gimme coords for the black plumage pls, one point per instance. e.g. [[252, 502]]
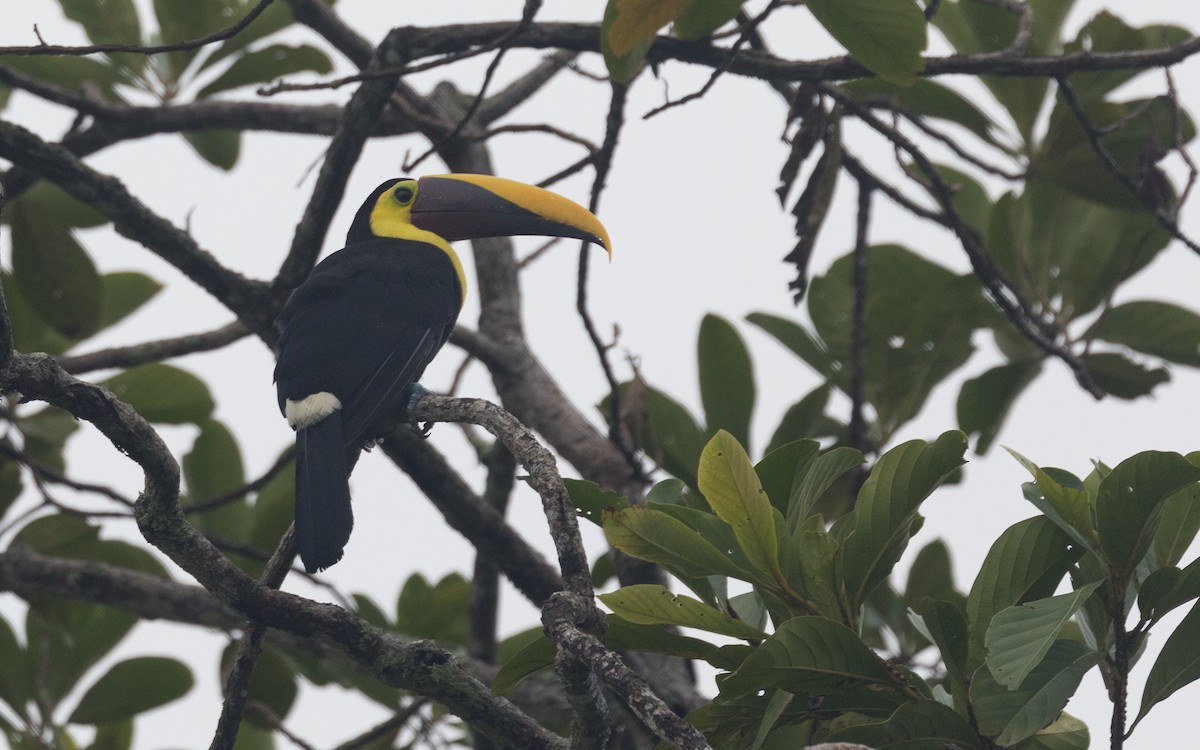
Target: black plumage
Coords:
[[362, 327]]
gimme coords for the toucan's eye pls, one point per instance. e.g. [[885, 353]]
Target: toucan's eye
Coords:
[[403, 195]]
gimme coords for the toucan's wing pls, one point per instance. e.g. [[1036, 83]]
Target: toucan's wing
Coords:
[[365, 325]]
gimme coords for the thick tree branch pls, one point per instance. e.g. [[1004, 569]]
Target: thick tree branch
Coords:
[[133, 219]]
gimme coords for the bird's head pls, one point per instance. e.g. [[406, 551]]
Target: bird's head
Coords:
[[472, 206]]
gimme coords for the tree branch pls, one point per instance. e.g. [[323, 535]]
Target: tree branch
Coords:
[[153, 351]]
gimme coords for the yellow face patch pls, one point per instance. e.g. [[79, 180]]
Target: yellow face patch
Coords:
[[392, 217]]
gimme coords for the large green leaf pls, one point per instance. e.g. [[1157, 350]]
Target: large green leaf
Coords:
[[1177, 665], [162, 393], [181, 20], [1020, 636], [1159, 329], [272, 684], [810, 655], [729, 483], [17, 683], [944, 623], [783, 468], [123, 293], [652, 535], [669, 433], [1064, 733], [1067, 158], [57, 278], [929, 99], [214, 465], [1025, 563], [625, 38], [652, 604], [919, 320], [1063, 499], [828, 468], [1168, 588], [886, 36], [267, 64], [796, 338], [220, 148], [985, 401], [1009, 715], [105, 21], [1066, 252], [978, 27], [1106, 33], [1179, 523], [887, 504], [131, 687], [726, 378], [920, 724], [702, 17], [30, 333], [1118, 375], [1130, 501], [803, 420], [440, 612]]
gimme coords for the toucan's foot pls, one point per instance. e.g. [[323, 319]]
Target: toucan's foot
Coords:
[[416, 393]]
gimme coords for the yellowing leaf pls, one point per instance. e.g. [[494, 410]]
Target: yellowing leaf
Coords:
[[639, 20]]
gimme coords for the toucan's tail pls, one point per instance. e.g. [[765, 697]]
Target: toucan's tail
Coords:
[[323, 515]]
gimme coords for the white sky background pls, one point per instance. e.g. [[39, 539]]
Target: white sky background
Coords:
[[690, 206]]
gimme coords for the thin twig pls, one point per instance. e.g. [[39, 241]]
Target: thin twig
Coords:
[[91, 49], [858, 326], [48, 474]]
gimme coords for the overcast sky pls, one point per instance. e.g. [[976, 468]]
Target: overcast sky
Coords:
[[696, 228]]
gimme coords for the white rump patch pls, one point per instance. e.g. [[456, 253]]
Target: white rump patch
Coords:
[[311, 409]]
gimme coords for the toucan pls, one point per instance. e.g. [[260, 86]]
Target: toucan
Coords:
[[357, 334]]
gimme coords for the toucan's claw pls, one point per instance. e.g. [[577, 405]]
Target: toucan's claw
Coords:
[[416, 393]]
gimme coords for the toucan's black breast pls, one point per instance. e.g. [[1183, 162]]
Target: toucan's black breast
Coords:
[[364, 325]]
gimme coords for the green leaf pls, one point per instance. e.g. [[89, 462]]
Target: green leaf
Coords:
[[638, 21], [652, 535], [1130, 501], [652, 604], [1179, 524], [1010, 716], [887, 504], [440, 612], [17, 683], [976, 27], [1069, 251], [131, 687], [105, 21], [1064, 733], [623, 55], [928, 98], [274, 509], [729, 483], [1020, 636], [45, 199], [163, 393], [726, 378], [918, 328], [930, 576], [1119, 376], [124, 292], [266, 65], [1159, 329], [214, 465], [886, 36], [783, 468], [46, 432], [803, 419], [1177, 665], [796, 338], [273, 682], [276, 17], [371, 612], [219, 148], [985, 401], [113, 735], [590, 501], [10, 484], [1107, 33], [672, 436], [69, 72], [1024, 564], [920, 724], [1065, 503], [1132, 130], [56, 277], [827, 470], [30, 333], [700, 18], [944, 624], [1168, 588], [812, 656], [181, 20]]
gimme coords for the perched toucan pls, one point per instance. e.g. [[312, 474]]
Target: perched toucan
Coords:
[[360, 330]]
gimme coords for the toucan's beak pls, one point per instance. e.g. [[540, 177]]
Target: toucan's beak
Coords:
[[472, 206]]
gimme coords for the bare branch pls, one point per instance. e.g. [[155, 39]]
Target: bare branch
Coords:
[[154, 351]]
